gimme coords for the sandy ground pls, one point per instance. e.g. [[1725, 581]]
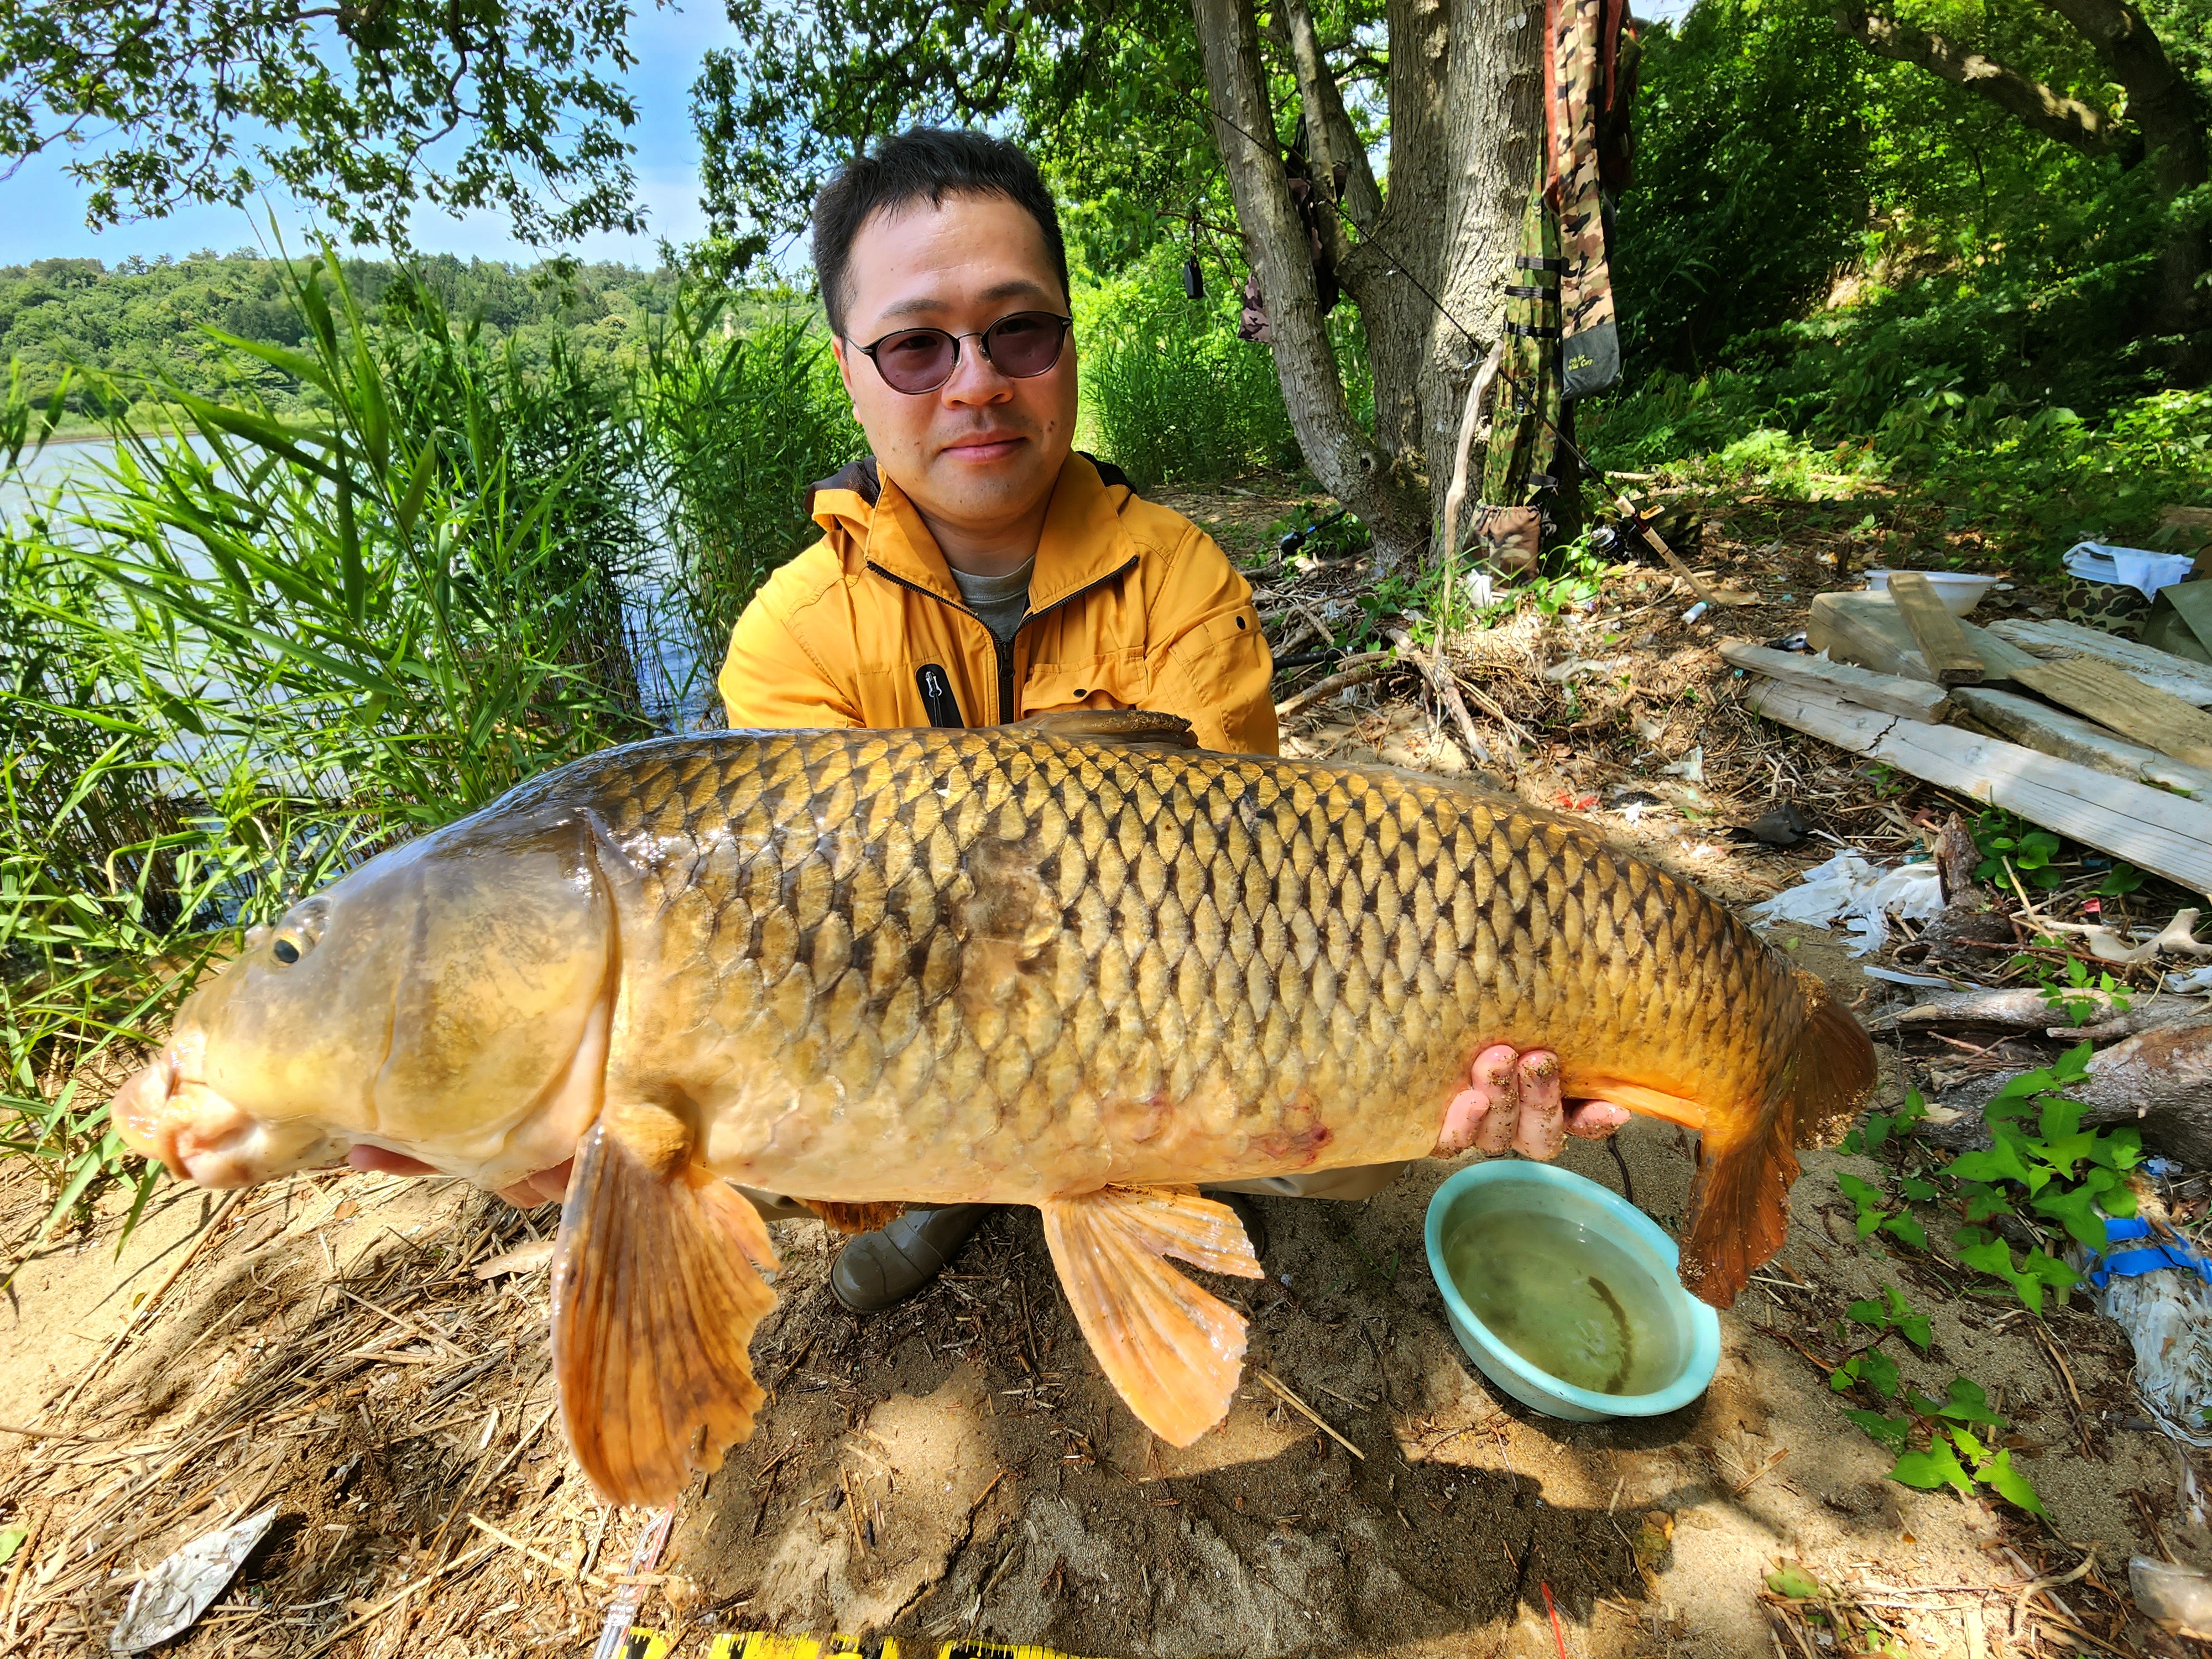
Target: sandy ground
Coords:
[[368, 1354]]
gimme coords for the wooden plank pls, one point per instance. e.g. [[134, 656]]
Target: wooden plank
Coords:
[[2113, 696], [1867, 628], [1914, 699], [1935, 631], [2191, 682], [2157, 831], [2055, 731]]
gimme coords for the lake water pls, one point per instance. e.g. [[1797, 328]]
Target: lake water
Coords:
[[677, 686]]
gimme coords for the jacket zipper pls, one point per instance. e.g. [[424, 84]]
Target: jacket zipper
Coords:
[[1004, 649]]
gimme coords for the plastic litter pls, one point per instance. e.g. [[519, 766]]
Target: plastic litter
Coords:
[[2160, 1292], [2128, 567], [1862, 894], [2198, 979], [2176, 1599], [176, 1593]]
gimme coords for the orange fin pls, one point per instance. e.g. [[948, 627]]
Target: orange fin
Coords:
[[854, 1218], [1740, 1209], [1146, 726], [1173, 1350], [654, 1303]]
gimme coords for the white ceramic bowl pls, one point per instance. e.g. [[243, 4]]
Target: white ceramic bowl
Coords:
[[1959, 592]]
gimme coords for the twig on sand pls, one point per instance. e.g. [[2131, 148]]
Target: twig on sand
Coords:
[[1361, 669], [1446, 685], [576, 1575], [1300, 1405], [399, 1595], [153, 1300]]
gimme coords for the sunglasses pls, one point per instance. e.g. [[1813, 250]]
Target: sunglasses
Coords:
[[918, 360]]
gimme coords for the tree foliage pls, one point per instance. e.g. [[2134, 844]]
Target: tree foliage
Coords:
[[364, 108]]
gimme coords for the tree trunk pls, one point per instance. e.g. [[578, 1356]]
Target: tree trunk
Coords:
[[2163, 105], [1494, 125], [1349, 464]]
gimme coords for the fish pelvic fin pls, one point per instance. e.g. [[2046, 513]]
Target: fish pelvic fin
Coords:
[[655, 1297], [1739, 1211], [854, 1218], [1173, 1350]]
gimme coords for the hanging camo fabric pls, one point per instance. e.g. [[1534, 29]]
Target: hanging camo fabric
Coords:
[[1585, 88]]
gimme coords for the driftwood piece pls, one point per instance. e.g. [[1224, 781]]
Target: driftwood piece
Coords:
[[1916, 700], [2161, 833], [2190, 681], [2113, 696], [2159, 1081], [2055, 731], [1867, 628], [1942, 643], [1353, 671], [2030, 1011]]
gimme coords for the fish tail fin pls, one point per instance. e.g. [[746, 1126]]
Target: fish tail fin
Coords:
[[1175, 1351], [655, 1297], [1740, 1212]]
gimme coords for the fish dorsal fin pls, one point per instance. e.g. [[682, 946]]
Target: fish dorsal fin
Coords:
[[1132, 726], [1173, 1350], [654, 1303]]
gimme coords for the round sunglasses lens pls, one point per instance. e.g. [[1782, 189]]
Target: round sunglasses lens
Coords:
[[919, 360], [1028, 342]]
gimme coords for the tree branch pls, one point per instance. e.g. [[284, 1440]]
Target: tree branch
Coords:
[[2056, 116], [2161, 102]]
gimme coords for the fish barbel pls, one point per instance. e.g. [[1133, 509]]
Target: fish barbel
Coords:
[[1070, 963]]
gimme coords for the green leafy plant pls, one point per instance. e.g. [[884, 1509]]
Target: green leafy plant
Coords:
[[1873, 1216], [1950, 1453], [2078, 979]]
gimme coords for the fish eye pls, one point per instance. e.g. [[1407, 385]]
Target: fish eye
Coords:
[[297, 934]]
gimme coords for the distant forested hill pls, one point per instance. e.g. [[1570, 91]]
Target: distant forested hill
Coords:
[[142, 319]]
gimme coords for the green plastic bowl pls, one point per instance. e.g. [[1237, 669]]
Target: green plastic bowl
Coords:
[[1522, 1188]]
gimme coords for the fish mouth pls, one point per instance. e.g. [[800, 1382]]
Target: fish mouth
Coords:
[[201, 1137]]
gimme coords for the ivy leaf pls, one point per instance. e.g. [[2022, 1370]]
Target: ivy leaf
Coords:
[[1795, 1583], [1938, 1466], [1917, 1330], [1891, 1431], [1879, 1372], [1967, 1403], [2009, 1484], [1905, 1228], [2001, 1162], [1920, 1191], [1868, 1313], [2075, 1209]]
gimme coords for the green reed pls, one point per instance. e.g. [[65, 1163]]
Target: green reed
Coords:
[[255, 649]]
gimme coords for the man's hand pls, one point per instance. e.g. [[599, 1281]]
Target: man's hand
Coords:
[[546, 1186], [1513, 1100]]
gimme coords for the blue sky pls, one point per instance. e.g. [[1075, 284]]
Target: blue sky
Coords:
[[42, 208]]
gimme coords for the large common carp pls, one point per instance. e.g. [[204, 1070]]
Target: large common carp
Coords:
[[1070, 963]]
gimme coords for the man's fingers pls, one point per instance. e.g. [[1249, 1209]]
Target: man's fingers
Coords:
[[1539, 1128], [546, 1186], [1496, 1079], [1595, 1120], [375, 1158], [1474, 1110]]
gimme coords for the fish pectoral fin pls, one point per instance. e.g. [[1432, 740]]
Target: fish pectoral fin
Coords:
[[1173, 1350], [854, 1218], [655, 1296]]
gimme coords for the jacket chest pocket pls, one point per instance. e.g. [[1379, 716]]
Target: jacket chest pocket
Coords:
[[1118, 681]]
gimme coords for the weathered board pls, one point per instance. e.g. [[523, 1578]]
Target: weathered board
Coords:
[[1914, 699], [1942, 642], [2157, 831], [2055, 731]]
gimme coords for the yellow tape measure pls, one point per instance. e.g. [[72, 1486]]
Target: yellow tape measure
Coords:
[[645, 1644]]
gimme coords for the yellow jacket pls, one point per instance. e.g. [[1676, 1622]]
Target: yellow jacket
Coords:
[[1131, 606]]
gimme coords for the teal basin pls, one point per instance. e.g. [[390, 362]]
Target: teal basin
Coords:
[[1571, 1271]]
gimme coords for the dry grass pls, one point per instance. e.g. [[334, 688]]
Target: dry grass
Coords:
[[372, 1353]]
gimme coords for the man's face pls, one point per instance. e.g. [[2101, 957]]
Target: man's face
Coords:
[[983, 452]]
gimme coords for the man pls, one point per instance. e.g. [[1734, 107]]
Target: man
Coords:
[[976, 569]]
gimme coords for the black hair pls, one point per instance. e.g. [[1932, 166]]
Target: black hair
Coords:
[[931, 162]]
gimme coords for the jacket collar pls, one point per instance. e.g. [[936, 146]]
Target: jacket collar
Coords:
[[869, 520]]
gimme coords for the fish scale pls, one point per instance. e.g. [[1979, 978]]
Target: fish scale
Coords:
[[1282, 933]]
